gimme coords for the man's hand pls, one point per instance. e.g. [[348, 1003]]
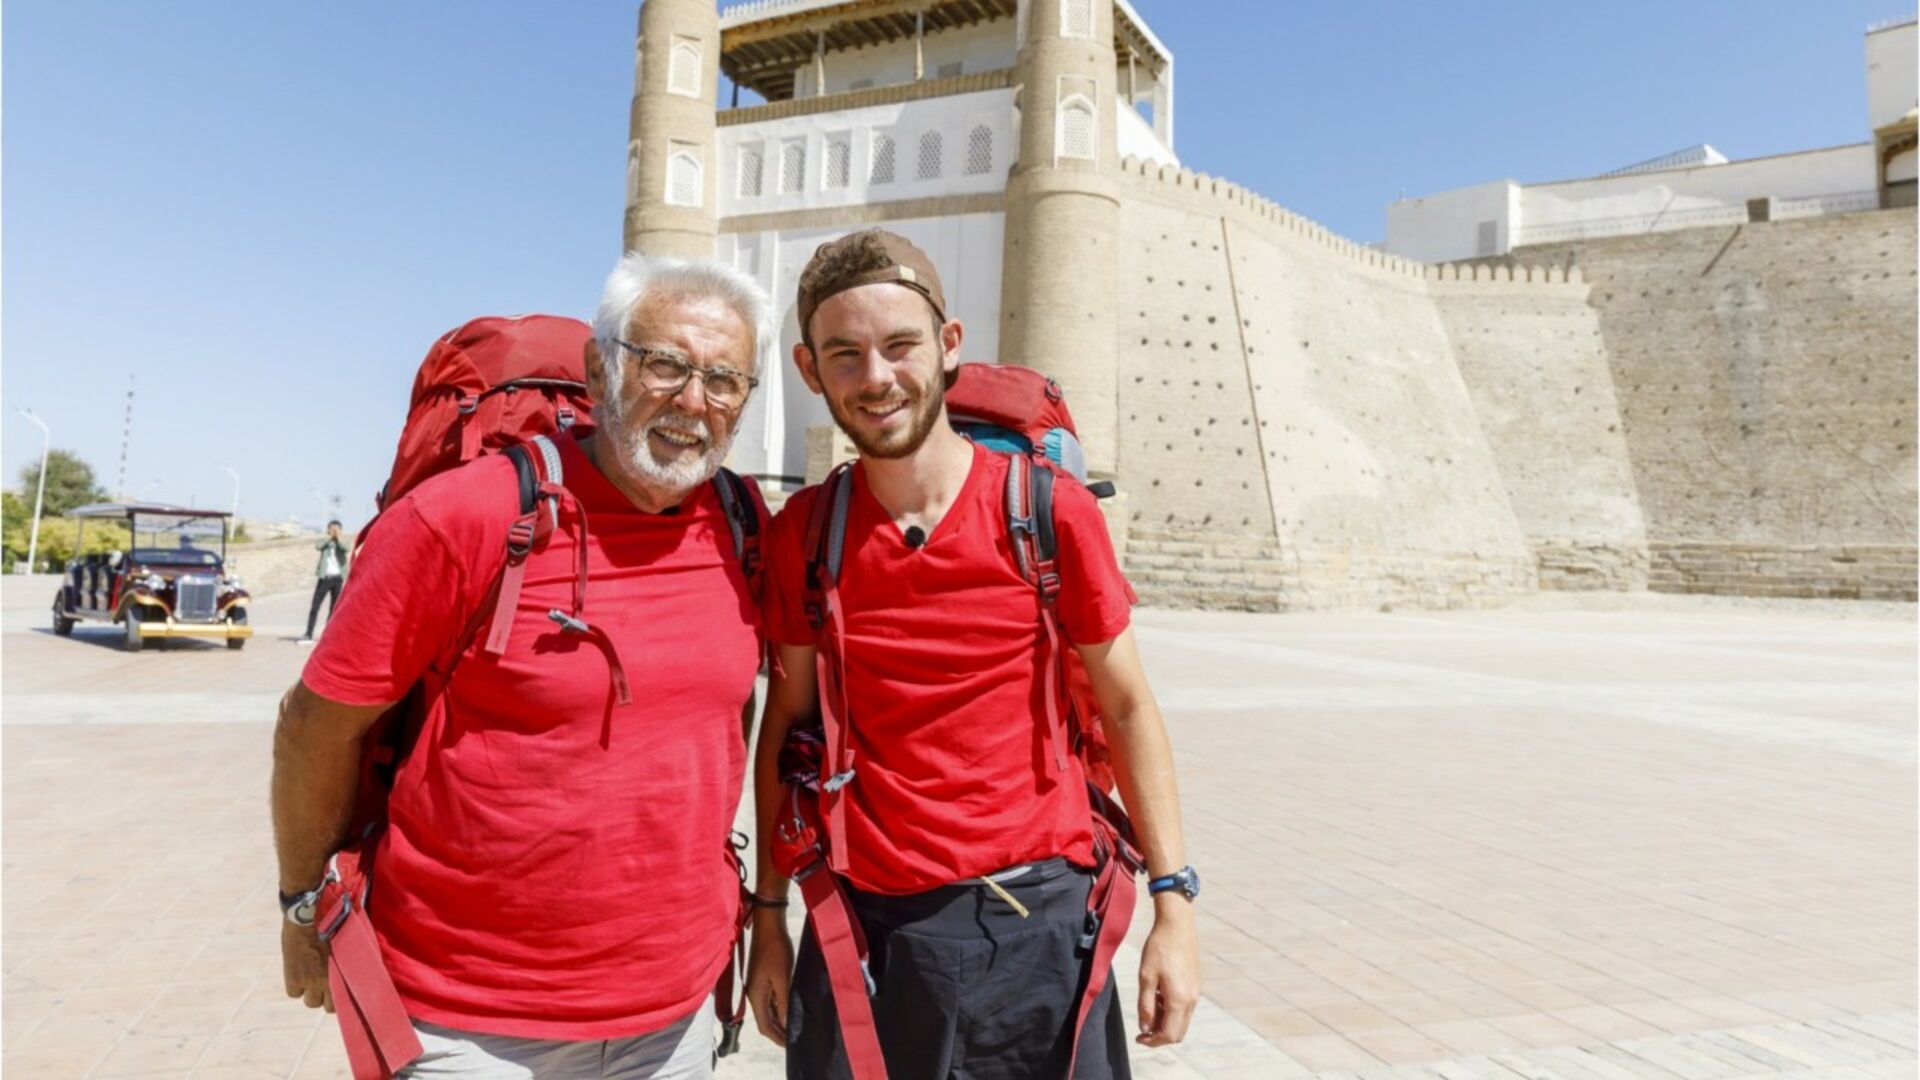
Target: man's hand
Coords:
[[769, 972], [303, 959], [1169, 973]]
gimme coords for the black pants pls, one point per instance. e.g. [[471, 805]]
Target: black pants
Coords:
[[328, 587], [967, 989]]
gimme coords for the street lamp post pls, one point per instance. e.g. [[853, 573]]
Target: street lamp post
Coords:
[[40, 492], [236, 491]]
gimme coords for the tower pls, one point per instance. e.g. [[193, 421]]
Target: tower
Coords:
[[1057, 311], [671, 158]]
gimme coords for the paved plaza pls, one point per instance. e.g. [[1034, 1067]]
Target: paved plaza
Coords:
[[1590, 839]]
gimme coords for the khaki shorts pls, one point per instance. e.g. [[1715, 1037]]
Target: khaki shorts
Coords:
[[681, 1051]]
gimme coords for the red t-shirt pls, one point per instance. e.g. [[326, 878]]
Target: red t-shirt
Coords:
[[553, 866], [945, 680]]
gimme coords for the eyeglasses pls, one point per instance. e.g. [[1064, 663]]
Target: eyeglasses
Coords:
[[666, 372]]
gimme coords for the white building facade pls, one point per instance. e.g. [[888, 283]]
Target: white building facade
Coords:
[[1687, 189], [876, 113]]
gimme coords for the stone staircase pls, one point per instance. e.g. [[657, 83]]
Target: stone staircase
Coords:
[[1204, 570]]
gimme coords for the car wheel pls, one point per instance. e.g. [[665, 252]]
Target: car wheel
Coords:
[[236, 643], [134, 640], [62, 625]]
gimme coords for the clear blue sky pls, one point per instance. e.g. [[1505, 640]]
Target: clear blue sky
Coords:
[[266, 212]]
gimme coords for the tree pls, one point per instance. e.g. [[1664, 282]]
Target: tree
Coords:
[[70, 483], [16, 518]]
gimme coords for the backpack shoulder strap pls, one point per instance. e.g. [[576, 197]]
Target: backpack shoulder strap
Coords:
[[826, 545], [539, 517], [742, 511], [826, 541], [1029, 514]]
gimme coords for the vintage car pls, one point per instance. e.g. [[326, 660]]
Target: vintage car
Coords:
[[170, 582]]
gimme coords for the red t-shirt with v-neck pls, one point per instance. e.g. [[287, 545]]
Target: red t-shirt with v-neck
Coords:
[[945, 679], [553, 866]]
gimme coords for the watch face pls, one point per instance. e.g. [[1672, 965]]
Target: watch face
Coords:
[[301, 911]]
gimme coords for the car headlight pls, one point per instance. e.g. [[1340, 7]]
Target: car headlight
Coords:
[[154, 582], [233, 582]]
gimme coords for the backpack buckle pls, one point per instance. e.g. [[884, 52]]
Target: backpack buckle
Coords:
[[1091, 934], [468, 404], [729, 1039], [520, 537], [1048, 581]]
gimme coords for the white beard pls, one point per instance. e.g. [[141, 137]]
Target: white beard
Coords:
[[680, 475]]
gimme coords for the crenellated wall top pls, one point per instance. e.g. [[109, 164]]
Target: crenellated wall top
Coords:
[[1168, 181]]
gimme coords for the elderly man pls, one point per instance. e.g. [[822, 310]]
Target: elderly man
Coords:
[[550, 896]]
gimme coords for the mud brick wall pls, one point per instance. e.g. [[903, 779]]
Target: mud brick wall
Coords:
[[1766, 380]]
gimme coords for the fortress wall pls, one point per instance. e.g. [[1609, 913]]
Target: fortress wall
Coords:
[[1536, 368], [1190, 454], [1766, 377], [1380, 488]]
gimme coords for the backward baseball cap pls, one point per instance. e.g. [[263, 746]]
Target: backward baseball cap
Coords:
[[895, 260]]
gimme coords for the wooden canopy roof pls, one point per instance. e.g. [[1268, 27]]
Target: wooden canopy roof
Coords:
[[763, 54]]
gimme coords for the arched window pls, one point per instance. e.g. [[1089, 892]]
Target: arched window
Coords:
[[979, 150], [683, 69], [839, 163], [928, 164], [752, 168], [1076, 135], [1076, 18], [684, 183], [880, 160], [793, 167], [633, 177]]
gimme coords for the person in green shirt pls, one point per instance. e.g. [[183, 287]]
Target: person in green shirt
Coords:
[[330, 573]]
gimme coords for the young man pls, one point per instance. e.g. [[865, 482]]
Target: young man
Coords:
[[328, 574], [550, 895], [968, 855]]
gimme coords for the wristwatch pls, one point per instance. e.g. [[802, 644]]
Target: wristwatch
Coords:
[[1186, 880], [300, 908]]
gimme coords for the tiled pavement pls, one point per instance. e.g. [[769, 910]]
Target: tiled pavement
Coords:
[[1673, 840]]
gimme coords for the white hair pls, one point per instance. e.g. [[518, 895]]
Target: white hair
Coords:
[[638, 276]]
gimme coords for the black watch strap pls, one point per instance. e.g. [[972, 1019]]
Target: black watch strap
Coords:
[[1185, 880]]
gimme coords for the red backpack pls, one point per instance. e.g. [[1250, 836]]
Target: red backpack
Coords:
[[505, 385], [1024, 413], [487, 385]]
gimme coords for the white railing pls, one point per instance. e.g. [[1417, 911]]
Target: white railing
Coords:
[[1844, 202], [1631, 224]]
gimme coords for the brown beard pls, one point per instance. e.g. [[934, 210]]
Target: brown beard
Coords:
[[926, 413]]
